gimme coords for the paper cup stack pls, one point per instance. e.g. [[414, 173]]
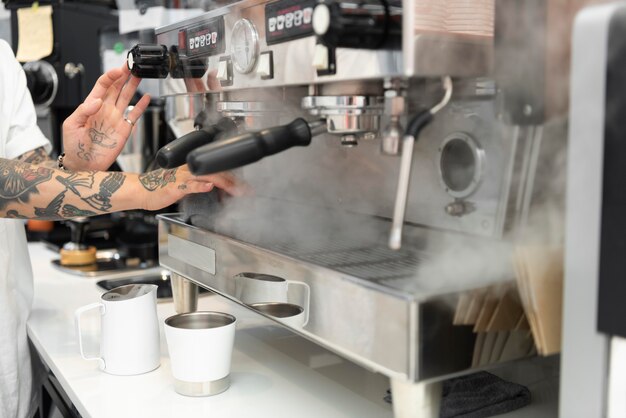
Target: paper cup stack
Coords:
[[470, 17], [430, 15]]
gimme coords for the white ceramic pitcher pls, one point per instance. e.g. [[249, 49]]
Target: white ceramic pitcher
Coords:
[[129, 341]]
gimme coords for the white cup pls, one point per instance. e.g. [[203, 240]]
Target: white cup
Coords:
[[129, 341], [256, 288], [200, 346]]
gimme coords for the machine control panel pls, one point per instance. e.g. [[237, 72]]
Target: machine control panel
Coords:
[[205, 39], [286, 20]]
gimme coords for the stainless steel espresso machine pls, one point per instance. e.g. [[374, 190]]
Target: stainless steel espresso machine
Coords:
[[385, 182]]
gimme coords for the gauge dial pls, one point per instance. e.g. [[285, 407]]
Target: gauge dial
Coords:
[[244, 46]]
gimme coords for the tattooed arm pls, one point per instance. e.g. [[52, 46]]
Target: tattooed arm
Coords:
[[35, 192]]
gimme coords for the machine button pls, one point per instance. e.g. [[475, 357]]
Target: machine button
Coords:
[[280, 22], [288, 20], [297, 18], [225, 72], [320, 58], [272, 24], [265, 68], [307, 14]]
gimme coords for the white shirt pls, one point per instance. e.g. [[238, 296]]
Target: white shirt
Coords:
[[18, 134]]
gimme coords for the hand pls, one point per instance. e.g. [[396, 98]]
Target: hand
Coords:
[[94, 135], [162, 188]]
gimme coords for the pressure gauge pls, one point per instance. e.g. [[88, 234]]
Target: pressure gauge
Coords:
[[244, 47]]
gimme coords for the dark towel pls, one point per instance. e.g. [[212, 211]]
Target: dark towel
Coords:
[[481, 395]]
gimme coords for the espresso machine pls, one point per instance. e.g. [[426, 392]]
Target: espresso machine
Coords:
[[390, 172]]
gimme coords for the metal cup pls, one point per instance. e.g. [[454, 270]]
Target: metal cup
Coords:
[[200, 345]]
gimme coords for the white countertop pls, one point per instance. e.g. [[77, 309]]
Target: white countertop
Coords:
[[274, 372]]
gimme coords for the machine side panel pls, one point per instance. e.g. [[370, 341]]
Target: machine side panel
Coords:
[[584, 352], [612, 285]]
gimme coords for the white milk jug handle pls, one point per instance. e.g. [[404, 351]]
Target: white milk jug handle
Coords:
[[307, 298], [78, 314]]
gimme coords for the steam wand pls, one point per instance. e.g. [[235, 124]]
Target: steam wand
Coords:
[[175, 153], [419, 122], [247, 148]]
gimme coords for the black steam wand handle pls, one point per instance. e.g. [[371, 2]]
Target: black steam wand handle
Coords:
[[248, 148], [175, 153]]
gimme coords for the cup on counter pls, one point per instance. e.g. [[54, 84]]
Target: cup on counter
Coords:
[[200, 345], [254, 288], [129, 340], [289, 314]]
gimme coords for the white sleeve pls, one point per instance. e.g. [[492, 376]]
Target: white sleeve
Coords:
[[24, 134]]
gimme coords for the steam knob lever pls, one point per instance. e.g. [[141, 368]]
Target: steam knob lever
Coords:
[[248, 148], [370, 24], [175, 153], [149, 61]]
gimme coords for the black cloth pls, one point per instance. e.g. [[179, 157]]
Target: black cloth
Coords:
[[481, 395]]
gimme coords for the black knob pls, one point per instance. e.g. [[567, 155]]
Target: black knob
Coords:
[[149, 61], [371, 24], [248, 148], [175, 153]]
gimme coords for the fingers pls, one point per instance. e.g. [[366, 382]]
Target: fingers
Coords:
[[84, 111], [228, 182], [193, 186], [114, 90], [139, 108], [127, 93], [103, 84]]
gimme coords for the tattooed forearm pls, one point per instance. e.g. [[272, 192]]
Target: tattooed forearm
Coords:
[[35, 192], [158, 178]]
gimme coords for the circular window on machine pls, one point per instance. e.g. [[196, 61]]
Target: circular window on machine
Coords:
[[461, 163]]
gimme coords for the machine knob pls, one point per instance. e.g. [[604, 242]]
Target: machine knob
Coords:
[[149, 61], [370, 24]]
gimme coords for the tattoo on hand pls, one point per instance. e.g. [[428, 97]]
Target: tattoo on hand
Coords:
[[18, 181], [100, 137], [86, 155], [182, 187], [157, 178]]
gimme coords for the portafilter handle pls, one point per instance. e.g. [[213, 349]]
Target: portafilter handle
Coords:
[[175, 153], [240, 150]]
